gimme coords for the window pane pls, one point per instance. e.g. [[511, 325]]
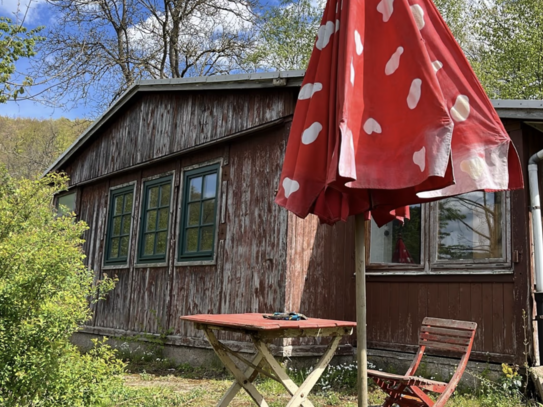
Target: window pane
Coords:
[[149, 244], [195, 188], [209, 211], [126, 224], [161, 243], [470, 226], [114, 248], [123, 252], [151, 221], [163, 218], [396, 242], [119, 223], [192, 240], [118, 205], [153, 197], [68, 201], [210, 186], [128, 202], [206, 242], [117, 226], [194, 214], [165, 195]]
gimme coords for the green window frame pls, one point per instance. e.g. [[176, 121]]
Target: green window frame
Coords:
[[155, 220], [119, 224], [198, 223]]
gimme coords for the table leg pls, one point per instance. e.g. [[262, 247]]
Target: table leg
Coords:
[[301, 394], [242, 380], [285, 380], [250, 373]]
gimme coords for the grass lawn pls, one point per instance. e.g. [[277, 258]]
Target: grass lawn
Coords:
[[185, 386]]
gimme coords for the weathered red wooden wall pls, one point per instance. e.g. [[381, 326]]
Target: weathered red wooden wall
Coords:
[[270, 260], [320, 263], [159, 124], [250, 271]]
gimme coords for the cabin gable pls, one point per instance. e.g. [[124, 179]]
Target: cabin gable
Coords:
[[158, 125]]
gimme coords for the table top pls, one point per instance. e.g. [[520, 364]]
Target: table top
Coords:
[[256, 322]]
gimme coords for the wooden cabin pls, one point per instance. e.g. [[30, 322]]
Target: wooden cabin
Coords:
[[177, 183]]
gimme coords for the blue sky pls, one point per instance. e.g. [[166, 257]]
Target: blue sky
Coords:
[[39, 14]]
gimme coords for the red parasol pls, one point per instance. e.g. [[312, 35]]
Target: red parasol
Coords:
[[389, 114]]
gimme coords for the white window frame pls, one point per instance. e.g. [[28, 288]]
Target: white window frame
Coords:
[[429, 244], [403, 266]]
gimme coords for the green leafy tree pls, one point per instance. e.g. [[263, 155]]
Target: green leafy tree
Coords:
[[287, 35], [458, 16], [44, 292], [29, 146], [509, 37], [15, 42]]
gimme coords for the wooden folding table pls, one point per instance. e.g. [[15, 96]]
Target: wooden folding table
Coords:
[[262, 331]]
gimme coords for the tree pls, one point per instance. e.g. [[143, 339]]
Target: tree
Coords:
[[287, 32], [459, 18], [286, 35], [44, 291], [509, 61], [97, 49], [29, 146], [15, 42]]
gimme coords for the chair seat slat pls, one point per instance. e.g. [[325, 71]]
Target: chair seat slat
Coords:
[[443, 346], [445, 331], [416, 380], [449, 323], [444, 338]]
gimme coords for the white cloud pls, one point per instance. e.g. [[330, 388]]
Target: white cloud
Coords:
[[199, 32], [26, 11]]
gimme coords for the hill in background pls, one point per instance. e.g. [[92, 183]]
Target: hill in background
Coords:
[[29, 146]]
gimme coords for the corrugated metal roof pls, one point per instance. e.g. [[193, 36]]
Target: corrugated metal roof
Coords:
[[507, 109]]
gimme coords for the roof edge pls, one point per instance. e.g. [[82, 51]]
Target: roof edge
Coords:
[[519, 109], [239, 81], [506, 108]]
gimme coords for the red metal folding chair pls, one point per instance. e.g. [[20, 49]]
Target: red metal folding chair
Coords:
[[456, 337]]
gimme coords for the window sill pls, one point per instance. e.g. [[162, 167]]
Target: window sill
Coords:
[[187, 263], [150, 265], [114, 266], [439, 273]]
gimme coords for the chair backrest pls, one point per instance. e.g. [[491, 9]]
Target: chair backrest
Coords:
[[447, 335]]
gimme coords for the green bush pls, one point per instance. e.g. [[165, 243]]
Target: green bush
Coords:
[[44, 297]]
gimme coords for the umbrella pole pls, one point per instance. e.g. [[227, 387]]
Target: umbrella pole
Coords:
[[361, 347]]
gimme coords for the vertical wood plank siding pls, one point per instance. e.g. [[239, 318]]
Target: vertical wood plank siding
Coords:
[[163, 123], [397, 306], [250, 270], [268, 259]]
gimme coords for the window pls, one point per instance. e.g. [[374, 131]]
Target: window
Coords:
[[471, 228], [121, 202], [468, 231], [155, 219], [398, 242], [66, 203], [198, 214]]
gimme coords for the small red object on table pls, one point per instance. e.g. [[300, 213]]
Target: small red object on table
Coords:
[[262, 330]]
